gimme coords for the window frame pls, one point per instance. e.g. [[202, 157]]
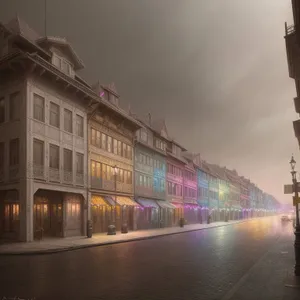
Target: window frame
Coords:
[[66, 112], [38, 111], [42, 154], [56, 147], [51, 113]]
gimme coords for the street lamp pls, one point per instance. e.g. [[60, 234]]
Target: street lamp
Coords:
[[112, 228], [115, 168], [297, 227]]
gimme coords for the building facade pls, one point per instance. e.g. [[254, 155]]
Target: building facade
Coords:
[[111, 137], [150, 175], [192, 211], [213, 190], [175, 170], [43, 136]]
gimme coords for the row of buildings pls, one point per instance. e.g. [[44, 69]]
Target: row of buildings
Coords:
[[69, 153]]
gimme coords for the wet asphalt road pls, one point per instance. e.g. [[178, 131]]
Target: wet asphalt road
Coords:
[[197, 265]]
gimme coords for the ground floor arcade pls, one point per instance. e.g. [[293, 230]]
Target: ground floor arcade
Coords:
[[47, 213]]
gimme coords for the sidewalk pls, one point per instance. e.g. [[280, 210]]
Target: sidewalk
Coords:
[[272, 277], [65, 244]]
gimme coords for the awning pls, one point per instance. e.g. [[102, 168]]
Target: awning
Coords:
[[178, 204], [126, 201], [165, 204], [192, 205], [98, 201], [147, 202]]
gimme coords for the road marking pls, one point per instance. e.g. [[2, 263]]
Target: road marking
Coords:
[[235, 288]]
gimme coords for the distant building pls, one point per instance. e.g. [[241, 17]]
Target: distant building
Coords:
[[175, 170], [150, 174], [192, 212]]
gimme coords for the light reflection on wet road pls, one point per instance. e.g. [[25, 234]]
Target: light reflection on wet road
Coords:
[[196, 265]]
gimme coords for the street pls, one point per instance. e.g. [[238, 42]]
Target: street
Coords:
[[202, 265]]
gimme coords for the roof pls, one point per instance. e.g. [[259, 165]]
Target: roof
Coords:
[[18, 26], [88, 92], [61, 41]]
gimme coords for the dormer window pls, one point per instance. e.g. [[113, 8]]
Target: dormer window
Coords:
[[176, 150], [144, 135], [62, 64]]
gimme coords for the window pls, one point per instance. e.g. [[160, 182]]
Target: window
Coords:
[[38, 152], [93, 168], [65, 66], [68, 120], [2, 110], [68, 160], [57, 61], [79, 163], [54, 115], [115, 146], [129, 152], [1, 156], [54, 157], [144, 135], [93, 136], [14, 106], [79, 125], [119, 148], [98, 138], [38, 108], [103, 141], [104, 171], [109, 144], [124, 150]]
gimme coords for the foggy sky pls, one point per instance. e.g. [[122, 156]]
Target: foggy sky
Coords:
[[215, 69]]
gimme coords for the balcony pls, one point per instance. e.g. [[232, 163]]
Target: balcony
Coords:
[[296, 125], [297, 104], [293, 52]]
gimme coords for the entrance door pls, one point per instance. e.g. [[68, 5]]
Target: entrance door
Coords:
[[41, 217], [56, 220], [11, 218]]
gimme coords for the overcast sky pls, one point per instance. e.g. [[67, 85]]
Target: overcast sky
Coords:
[[215, 69]]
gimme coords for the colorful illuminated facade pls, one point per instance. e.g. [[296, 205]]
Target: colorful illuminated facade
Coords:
[[213, 194], [175, 170], [192, 212], [150, 175]]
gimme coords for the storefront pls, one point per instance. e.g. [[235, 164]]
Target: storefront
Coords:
[[192, 213], [178, 212], [102, 213], [128, 211], [148, 216], [48, 214], [9, 215], [166, 212], [57, 214]]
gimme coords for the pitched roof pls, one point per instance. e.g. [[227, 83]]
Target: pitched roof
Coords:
[[19, 26], [61, 41]]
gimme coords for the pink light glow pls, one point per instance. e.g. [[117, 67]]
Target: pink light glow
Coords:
[[102, 94]]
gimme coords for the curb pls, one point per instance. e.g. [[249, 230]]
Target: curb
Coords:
[[77, 247]]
